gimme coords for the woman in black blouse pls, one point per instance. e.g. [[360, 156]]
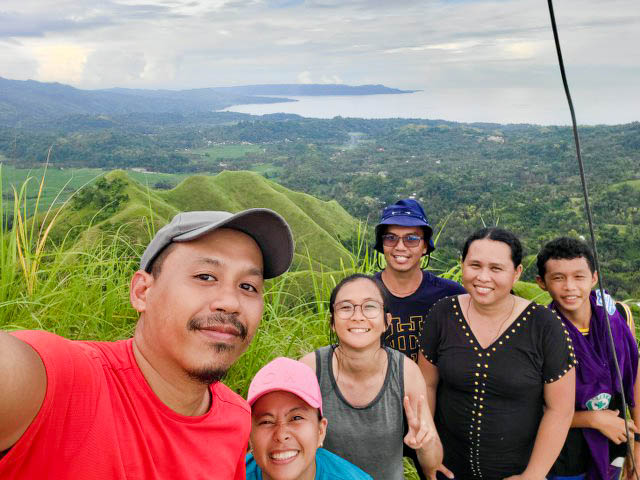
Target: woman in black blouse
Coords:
[[502, 368]]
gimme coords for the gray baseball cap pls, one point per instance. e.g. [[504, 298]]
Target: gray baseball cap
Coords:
[[270, 231]]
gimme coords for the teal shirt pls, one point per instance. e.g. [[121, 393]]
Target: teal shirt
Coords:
[[328, 467]]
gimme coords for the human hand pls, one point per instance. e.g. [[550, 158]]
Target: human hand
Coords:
[[421, 428], [612, 426], [628, 473], [431, 474]]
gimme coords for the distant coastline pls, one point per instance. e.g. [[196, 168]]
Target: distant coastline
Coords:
[[24, 101], [312, 89]]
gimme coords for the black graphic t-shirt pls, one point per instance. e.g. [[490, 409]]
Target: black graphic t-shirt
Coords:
[[408, 313]]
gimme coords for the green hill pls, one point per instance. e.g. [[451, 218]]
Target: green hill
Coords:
[[117, 203]]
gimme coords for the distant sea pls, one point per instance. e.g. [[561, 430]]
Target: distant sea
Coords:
[[498, 105]]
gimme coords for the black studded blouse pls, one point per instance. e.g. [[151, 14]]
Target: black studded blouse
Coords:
[[490, 401]]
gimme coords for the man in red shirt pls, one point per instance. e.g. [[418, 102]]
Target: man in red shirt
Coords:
[[151, 406]]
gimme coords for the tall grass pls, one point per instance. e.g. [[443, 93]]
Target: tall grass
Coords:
[[77, 293], [79, 289]]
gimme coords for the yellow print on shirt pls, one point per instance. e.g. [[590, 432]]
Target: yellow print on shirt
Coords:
[[400, 332]]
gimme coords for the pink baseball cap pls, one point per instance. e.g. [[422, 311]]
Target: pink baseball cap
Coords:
[[290, 376]]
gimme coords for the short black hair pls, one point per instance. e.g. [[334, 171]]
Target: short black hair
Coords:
[[498, 235], [564, 248], [156, 264]]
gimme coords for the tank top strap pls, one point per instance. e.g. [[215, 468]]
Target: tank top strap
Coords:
[[393, 383], [369, 436], [323, 359], [397, 370]]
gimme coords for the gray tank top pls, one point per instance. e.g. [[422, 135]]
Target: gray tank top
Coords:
[[371, 436]]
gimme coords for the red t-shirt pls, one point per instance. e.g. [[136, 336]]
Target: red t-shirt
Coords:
[[101, 420]]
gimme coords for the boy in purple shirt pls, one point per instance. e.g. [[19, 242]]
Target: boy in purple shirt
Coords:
[[596, 444]]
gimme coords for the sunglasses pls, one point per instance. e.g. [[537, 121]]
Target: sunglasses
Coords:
[[410, 241]]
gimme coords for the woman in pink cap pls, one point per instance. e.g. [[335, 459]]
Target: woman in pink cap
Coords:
[[288, 428]]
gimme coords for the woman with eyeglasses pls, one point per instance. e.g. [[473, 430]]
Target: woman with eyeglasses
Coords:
[[366, 387], [499, 369]]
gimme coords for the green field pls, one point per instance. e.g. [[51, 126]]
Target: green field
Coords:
[[632, 183], [60, 183], [266, 169], [217, 152]]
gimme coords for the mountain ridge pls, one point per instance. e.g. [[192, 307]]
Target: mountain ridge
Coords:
[[117, 203], [29, 100]]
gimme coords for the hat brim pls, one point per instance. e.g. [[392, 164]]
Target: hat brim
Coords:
[[266, 227], [298, 393]]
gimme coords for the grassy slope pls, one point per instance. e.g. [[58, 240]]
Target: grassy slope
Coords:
[[316, 224], [143, 213]]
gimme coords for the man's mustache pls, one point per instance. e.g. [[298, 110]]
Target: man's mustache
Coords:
[[201, 322]]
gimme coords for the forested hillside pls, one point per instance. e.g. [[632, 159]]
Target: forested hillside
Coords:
[[523, 177]]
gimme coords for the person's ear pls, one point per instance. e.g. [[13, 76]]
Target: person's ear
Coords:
[[540, 282], [518, 273], [594, 279], [322, 431], [138, 289]]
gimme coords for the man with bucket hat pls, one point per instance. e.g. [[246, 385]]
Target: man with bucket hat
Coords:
[[151, 406], [404, 237]]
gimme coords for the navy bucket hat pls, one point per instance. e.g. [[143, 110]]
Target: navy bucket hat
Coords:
[[405, 213]]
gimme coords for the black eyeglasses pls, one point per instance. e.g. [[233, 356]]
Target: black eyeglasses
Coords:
[[391, 240], [370, 309]]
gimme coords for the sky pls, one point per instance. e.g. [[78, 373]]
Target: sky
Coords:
[[480, 52]]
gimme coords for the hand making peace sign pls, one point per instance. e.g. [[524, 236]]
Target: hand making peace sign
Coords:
[[421, 427]]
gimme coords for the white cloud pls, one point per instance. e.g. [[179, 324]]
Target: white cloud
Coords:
[[304, 77], [521, 50], [331, 79], [424, 44], [114, 67], [60, 62], [291, 41], [453, 47]]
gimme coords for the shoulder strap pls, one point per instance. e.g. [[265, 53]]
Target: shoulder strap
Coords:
[[318, 365], [401, 374], [625, 311], [396, 365]]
